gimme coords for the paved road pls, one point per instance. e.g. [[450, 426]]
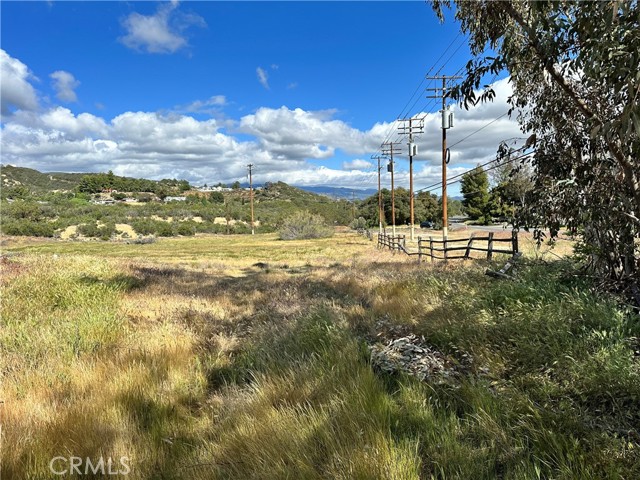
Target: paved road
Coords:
[[457, 227]]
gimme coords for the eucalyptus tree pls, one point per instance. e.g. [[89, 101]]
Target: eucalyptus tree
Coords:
[[573, 67]]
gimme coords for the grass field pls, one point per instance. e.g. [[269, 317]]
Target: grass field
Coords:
[[242, 357]]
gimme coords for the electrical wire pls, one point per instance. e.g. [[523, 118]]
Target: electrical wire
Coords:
[[459, 176], [479, 130]]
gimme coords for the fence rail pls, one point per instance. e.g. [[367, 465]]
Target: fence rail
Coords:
[[365, 232], [426, 247], [440, 249], [391, 242]]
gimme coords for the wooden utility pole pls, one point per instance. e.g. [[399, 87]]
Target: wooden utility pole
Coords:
[[415, 126], [380, 209], [353, 204], [389, 148], [446, 123], [250, 167]]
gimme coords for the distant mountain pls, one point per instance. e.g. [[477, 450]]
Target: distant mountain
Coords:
[[340, 192]]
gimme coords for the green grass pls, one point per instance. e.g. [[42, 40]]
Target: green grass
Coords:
[[198, 365]]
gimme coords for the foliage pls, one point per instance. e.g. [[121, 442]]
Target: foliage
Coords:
[[99, 182], [573, 67], [425, 207], [359, 223], [92, 229], [512, 183], [29, 228], [475, 190], [35, 181], [216, 197], [304, 225], [56, 211]]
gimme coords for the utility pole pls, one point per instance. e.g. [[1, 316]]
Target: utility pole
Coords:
[[250, 167], [353, 203], [389, 148], [447, 122], [415, 126], [380, 209]]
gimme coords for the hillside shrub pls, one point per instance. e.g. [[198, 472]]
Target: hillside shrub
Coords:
[[186, 228], [92, 230], [358, 223], [304, 225], [28, 228]]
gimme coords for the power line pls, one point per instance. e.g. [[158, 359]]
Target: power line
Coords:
[[459, 176], [402, 112], [480, 129]]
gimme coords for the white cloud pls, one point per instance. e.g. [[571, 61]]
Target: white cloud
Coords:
[[162, 32], [15, 90], [263, 77], [313, 134], [65, 84], [210, 106], [476, 133], [284, 144], [292, 85], [357, 164]]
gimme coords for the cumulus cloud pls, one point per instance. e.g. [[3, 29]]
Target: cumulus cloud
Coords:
[[476, 133], [284, 143], [357, 164], [263, 77], [15, 90], [65, 84], [162, 32], [291, 132]]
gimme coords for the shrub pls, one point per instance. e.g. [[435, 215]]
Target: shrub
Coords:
[[140, 240], [26, 227], [303, 225], [91, 229], [358, 223], [186, 228]]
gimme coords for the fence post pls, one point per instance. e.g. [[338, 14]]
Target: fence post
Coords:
[[467, 253], [431, 247], [514, 241], [419, 249], [444, 248], [490, 247]]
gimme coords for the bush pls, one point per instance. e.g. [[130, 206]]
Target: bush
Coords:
[[358, 223], [91, 229], [27, 228], [303, 225], [186, 228]]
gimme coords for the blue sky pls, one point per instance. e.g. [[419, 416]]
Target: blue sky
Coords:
[[304, 90]]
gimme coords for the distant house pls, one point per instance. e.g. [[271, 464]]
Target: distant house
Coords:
[[175, 199]]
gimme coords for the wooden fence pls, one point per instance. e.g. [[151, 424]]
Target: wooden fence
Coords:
[[365, 232], [391, 242], [450, 249], [441, 249]]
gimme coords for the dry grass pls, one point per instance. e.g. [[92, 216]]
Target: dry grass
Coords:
[[242, 357]]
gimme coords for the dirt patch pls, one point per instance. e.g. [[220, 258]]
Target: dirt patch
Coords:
[[70, 232], [126, 228], [156, 217]]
